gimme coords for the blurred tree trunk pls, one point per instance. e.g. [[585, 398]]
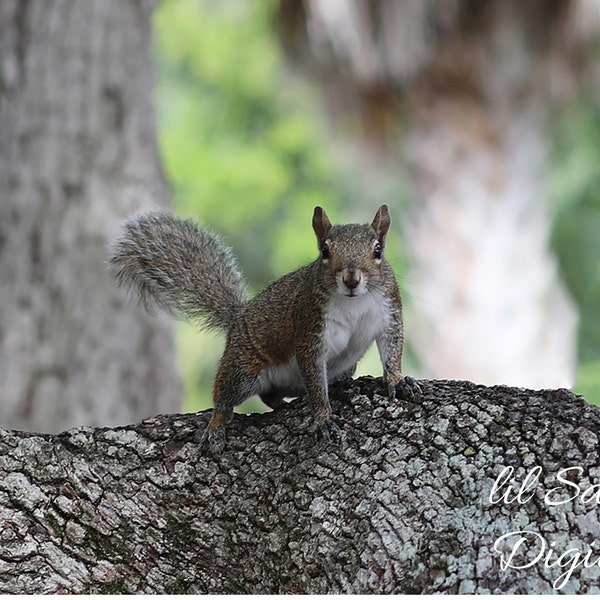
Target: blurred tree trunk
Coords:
[[400, 505], [77, 152], [454, 97]]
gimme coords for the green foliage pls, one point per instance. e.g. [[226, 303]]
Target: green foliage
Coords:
[[239, 148], [575, 193], [588, 382]]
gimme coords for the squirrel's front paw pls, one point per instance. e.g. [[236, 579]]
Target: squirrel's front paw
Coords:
[[213, 440], [409, 389], [332, 425]]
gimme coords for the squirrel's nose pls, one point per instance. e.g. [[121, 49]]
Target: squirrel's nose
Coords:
[[352, 279]]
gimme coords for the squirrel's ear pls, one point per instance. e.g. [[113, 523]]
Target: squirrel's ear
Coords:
[[381, 223], [321, 223]]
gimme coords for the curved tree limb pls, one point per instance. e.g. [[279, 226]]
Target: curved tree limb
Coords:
[[401, 504]]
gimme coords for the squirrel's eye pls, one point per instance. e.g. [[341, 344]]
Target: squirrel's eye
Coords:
[[377, 250], [325, 251]]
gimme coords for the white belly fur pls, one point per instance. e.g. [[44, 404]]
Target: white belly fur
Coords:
[[351, 326]]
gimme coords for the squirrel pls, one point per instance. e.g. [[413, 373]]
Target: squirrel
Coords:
[[304, 331]]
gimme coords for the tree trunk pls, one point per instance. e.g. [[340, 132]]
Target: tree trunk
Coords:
[[411, 500], [453, 98], [495, 308], [77, 152]]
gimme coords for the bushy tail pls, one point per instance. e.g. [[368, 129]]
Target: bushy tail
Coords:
[[180, 267]]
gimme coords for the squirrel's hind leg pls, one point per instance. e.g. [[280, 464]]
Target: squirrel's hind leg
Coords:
[[233, 385]]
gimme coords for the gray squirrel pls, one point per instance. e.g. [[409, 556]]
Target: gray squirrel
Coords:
[[304, 331]]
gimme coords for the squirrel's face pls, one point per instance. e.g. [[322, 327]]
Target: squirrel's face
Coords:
[[352, 254]]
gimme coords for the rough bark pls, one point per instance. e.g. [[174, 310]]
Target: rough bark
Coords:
[[401, 504], [452, 98], [77, 153]]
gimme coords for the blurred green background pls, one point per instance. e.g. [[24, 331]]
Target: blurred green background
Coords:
[[574, 191], [244, 152]]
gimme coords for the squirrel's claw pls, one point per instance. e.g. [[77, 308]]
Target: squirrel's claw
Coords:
[[213, 441], [328, 427], [409, 389]]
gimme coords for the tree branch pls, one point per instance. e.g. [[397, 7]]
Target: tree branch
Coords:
[[401, 504]]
